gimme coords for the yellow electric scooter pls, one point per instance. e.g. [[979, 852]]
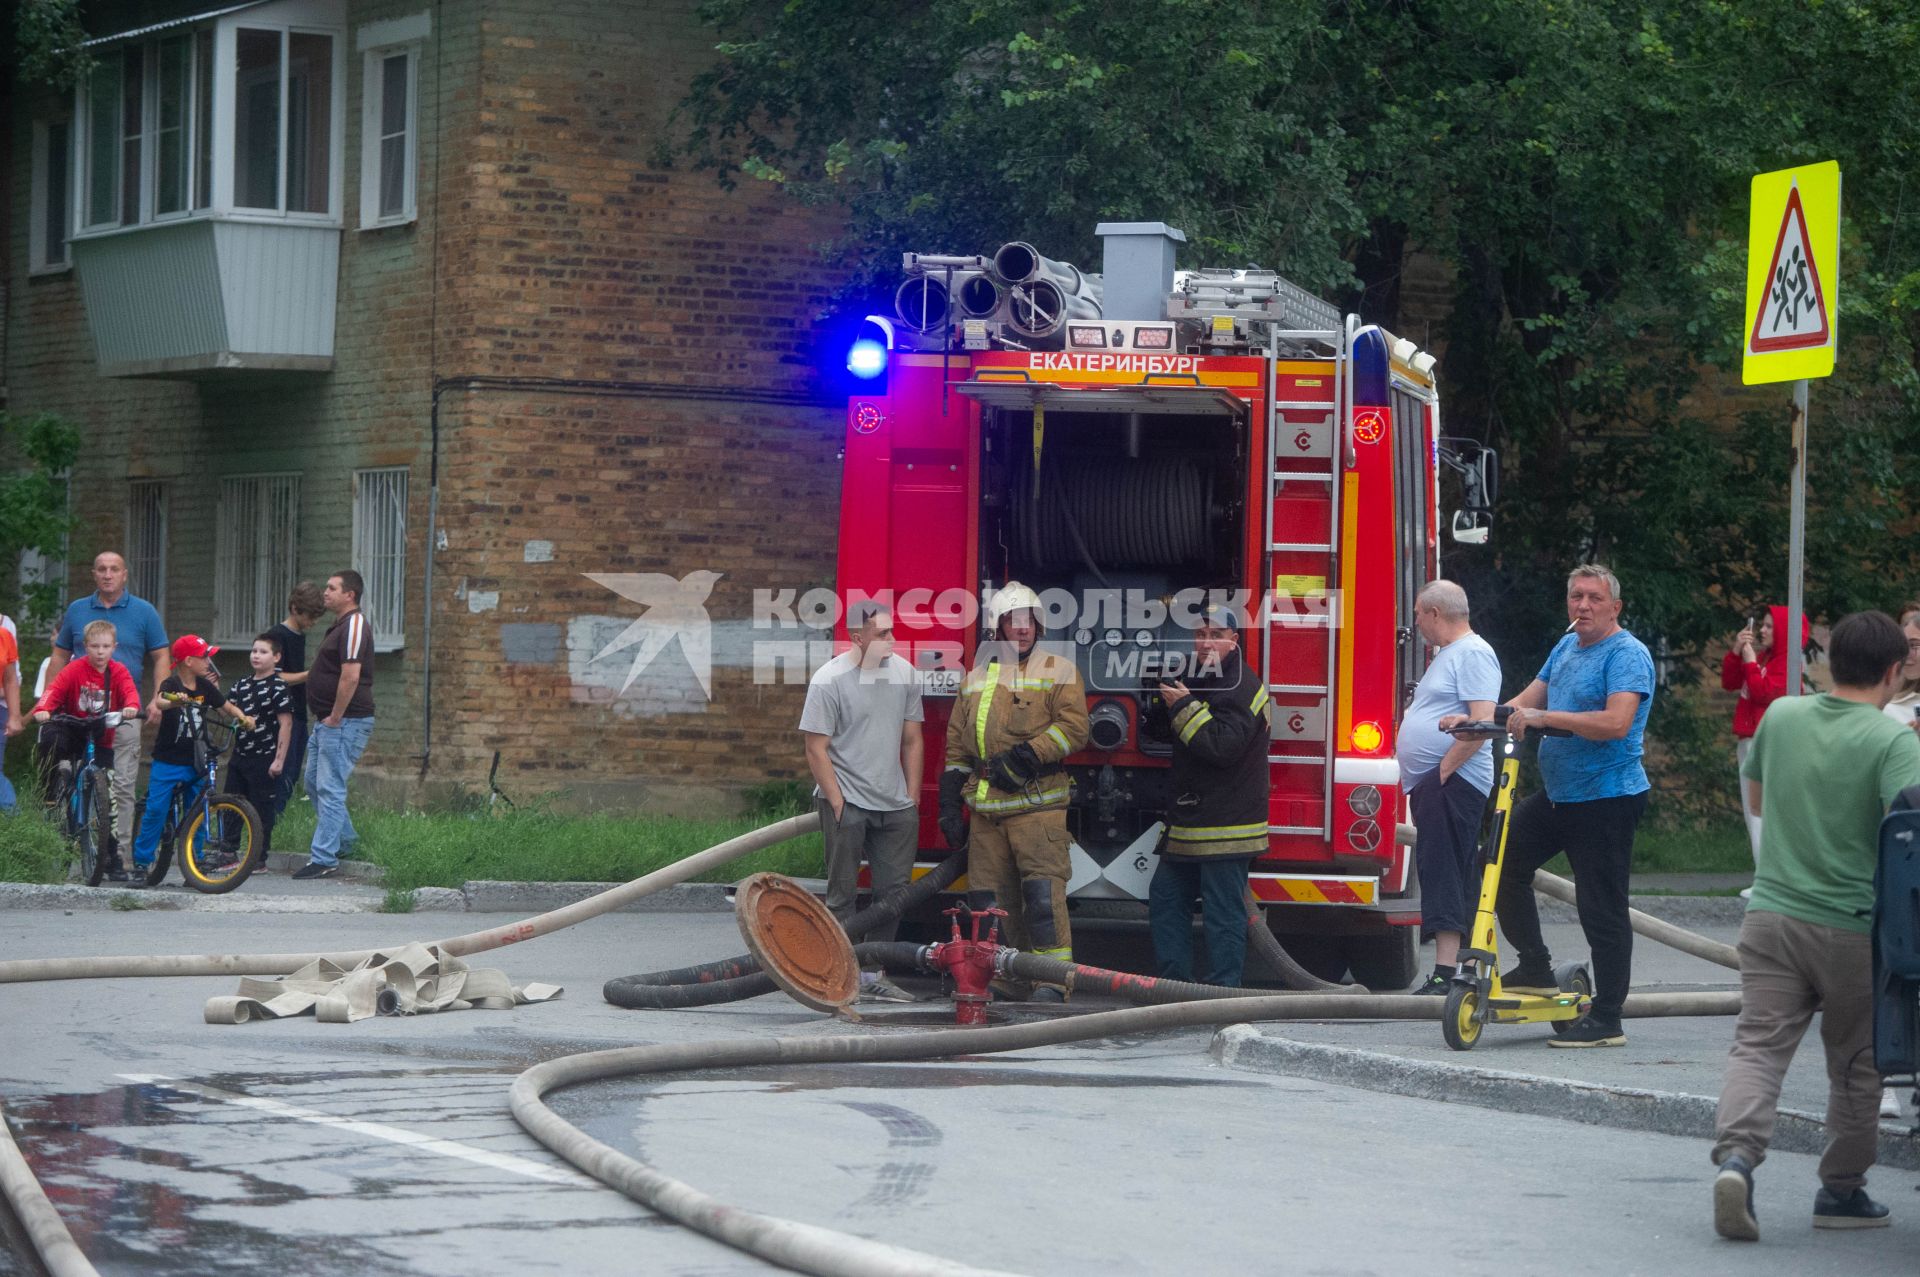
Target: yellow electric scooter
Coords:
[[1476, 998]]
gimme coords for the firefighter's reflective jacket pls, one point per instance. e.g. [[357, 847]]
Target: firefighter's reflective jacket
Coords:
[[1221, 734], [1038, 702]]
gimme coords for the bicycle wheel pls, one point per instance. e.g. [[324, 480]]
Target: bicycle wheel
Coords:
[[95, 829], [163, 853], [221, 845]]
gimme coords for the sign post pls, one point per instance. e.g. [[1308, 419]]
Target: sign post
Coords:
[[1791, 330]]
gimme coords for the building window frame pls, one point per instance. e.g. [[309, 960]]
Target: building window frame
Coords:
[[380, 551], [377, 134], [147, 515], [256, 552], [50, 196]]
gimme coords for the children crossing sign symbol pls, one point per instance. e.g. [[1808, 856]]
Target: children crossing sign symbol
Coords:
[[1793, 274]]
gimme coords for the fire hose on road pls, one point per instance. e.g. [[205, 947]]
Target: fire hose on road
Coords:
[[785, 1242]]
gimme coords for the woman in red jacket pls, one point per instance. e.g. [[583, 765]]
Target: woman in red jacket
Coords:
[[1757, 669]]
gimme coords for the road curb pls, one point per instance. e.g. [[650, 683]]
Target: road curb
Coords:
[[484, 896], [1250, 1048], [520, 898], [74, 898]]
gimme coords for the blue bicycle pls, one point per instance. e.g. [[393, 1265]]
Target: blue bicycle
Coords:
[[83, 796], [216, 835]]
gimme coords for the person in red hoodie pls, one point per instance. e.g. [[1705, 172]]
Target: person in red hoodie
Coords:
[[87, 689], [1756, 667]]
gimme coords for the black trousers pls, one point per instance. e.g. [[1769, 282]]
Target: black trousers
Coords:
[[1447, 817], [67, 742], [247, 777], [1598, 839]]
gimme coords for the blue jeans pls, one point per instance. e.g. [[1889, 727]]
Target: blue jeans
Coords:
[[1221, 885], [332, 754], [161, 783], [7, 796]]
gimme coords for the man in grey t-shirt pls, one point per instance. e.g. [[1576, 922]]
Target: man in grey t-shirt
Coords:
[[1447, 780], [864, 747]]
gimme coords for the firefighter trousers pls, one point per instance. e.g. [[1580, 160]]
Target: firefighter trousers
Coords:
[[1023, 860]]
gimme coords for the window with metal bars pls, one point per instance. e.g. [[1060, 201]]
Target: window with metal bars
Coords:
[[380, 551], [147, 543], [256, 556]]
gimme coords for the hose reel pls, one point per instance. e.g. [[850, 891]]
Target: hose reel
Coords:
[[1114, 515]]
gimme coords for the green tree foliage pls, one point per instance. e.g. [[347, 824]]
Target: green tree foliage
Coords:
[[1581, 165], [47, 36], [33, 506]]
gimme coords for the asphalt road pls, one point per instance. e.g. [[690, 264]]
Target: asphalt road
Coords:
[[385, 1147]]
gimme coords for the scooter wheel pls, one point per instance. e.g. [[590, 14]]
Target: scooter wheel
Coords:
[[1460, 1019], [1574, 978]]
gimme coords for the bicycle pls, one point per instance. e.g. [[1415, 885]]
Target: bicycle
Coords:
[[221, 832], [83, 795]]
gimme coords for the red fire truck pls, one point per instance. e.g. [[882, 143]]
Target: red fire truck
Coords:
[[1121, 443]]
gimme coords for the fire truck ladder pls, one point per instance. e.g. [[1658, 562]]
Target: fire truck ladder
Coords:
[[1305, 447]]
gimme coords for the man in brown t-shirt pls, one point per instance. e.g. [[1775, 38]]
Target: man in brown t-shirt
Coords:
[[340, 694]]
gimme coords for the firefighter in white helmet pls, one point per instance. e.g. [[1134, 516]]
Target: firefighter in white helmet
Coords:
[[1019, 714]]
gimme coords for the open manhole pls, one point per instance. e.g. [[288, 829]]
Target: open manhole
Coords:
[[799, 944]]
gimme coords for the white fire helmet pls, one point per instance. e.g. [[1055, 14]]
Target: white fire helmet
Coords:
[[1011, 597]]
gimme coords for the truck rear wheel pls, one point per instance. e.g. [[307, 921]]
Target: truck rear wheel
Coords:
[[1385, 963]]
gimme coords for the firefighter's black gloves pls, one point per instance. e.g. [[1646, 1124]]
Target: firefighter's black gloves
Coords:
[[1012, 770], [953, 822]]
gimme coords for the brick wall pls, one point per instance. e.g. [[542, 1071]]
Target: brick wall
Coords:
[[547, 247], [580, 260]]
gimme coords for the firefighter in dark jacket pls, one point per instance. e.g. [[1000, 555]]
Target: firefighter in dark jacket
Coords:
[[1019, 714], [1220, 725]]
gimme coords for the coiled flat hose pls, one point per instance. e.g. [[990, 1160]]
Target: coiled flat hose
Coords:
[[802, 1246], [1119, 514]]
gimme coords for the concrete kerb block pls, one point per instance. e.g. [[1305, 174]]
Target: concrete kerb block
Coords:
[[483, 896], [439, 900], [30, 895], [1250, 1048]]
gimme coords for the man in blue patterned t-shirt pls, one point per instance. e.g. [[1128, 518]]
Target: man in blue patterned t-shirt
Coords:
[[1598, 685]]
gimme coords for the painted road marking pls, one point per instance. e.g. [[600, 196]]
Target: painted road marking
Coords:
[[375, 1130]]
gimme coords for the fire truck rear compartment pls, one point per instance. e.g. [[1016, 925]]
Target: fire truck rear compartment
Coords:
[[1113, 500], [1143, 504]]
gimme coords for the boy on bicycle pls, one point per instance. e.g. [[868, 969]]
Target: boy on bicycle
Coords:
[[88, 689], [184, 700]]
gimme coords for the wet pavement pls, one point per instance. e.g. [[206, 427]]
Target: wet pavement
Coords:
[[385, 1147]]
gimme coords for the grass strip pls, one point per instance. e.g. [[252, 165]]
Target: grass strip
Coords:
[[446, 849]]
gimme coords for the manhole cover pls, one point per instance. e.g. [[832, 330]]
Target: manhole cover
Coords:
[[798, 942]]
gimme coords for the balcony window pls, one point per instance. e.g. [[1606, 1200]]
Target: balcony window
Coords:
[[232, 115]]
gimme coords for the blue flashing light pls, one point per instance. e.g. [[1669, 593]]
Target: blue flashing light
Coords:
[[866, 359], [1371, 361]]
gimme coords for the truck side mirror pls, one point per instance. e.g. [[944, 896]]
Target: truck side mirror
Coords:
[[1479, 469], [1468, 530]]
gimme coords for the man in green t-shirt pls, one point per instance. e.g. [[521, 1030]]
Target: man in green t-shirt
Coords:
[[1822, 772]]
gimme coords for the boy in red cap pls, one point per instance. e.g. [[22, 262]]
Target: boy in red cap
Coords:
[[185, 698]]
